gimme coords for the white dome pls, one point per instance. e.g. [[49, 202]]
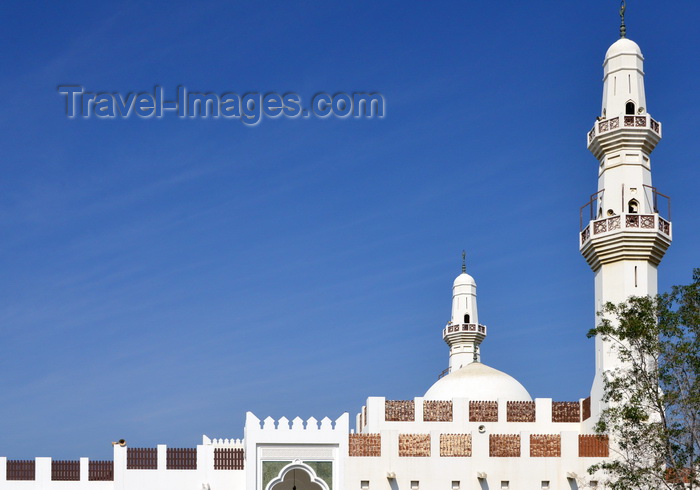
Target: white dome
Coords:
[[478, 381], [623, 46], [464, 279]]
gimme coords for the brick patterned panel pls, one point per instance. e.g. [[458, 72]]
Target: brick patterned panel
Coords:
[[434, 411], [101, 470], [483, 411], [226, 458], [399, 411], [504, 445], [586, 409], [566, 412], [65, 470], [520, 411], [678, 475], [545, 446], [414, 445], [593, 446], [365, 445], [455, 445]]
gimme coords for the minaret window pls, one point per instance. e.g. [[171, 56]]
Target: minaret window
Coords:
[[633, 206], [629, 108], [466, 318]]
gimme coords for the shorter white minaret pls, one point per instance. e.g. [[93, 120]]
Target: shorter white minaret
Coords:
[[463, 332]]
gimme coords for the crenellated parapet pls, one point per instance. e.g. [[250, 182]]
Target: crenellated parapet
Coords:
[[297, 424], [232, 443]]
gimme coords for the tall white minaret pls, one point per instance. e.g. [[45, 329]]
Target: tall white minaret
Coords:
[[463, 333], [629, 228]]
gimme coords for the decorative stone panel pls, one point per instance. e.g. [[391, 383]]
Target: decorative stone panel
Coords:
[[504, 445], [566, 412], [586, 409], [545, 446], [593, 446], [365, 445], [399, 411], [456, 445], [414, 445], [437, 411], [483, 411], [520, 411]]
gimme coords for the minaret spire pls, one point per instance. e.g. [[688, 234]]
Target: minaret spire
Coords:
[[464, 262], [623, 28]]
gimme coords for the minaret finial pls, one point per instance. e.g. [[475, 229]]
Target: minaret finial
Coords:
[[623, 28], [464, 262]]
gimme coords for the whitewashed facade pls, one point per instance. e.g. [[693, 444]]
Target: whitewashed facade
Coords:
[[476, 427]]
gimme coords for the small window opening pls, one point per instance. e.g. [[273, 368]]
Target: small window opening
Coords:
[[466, 318], [635, 276], [633, 206], [629, 108], [545, 485], [455, 485], [364, 484], [414, 485], [505, 485], [600, 212]]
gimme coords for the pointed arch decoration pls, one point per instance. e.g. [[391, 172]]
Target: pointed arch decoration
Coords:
[[315, 482], [633, 206]]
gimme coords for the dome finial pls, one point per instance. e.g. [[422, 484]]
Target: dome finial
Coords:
[[464, 262], [623, 28]]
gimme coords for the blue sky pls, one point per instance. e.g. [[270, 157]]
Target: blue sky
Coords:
[[163, 276]]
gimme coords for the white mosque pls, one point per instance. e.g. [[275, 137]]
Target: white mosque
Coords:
[[476, 427]]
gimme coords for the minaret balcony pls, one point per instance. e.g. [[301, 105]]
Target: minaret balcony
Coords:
[[605, 125], [468, 331], [640, 130], [643, 223], [628, 236]]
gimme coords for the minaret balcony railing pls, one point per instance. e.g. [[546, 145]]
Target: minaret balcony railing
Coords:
[[629, 221], [605, 125], [463, 327]]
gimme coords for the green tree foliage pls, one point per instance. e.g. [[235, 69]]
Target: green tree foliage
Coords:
[[653, 411]]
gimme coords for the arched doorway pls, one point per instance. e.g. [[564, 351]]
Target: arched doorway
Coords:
[[297, 475]]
